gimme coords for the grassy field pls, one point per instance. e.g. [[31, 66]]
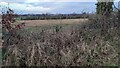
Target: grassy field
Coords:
[[53, 22]]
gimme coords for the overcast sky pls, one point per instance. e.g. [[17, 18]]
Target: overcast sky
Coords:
[[50, 6]]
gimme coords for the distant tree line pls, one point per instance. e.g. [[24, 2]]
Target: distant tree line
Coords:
[[50, 16]]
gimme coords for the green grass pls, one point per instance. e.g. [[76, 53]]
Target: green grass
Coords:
[[52, 26]]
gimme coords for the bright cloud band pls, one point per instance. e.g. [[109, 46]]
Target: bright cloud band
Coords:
[[32, 1]]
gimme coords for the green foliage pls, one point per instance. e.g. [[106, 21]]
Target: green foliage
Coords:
[[57, 28]]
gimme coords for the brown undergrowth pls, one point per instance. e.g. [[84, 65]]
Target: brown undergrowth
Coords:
[[94, 44]]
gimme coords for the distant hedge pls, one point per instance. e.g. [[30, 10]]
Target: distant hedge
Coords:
[[40, 17]]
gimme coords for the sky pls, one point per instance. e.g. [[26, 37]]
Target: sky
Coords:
[[49, 6]]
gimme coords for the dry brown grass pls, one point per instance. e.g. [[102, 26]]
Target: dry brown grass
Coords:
[[74, 47], [52, 22]]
